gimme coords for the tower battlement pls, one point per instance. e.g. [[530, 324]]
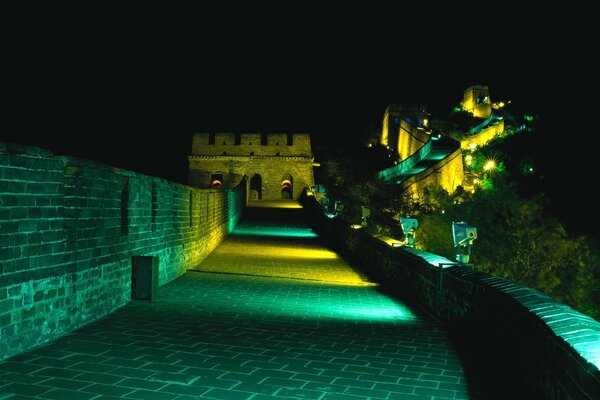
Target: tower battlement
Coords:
[[252, 144]]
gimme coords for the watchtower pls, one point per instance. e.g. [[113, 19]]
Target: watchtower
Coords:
[[278, 165]]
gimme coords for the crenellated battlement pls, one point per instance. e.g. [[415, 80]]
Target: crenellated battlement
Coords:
[[252, 144]]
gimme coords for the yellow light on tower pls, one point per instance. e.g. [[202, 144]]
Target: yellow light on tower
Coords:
[[489, 165], [472, 146]]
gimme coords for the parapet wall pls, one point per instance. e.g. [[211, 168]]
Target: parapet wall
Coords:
[[484, 136], [519, 342], [410, 139], [69, 229], [447, 173]]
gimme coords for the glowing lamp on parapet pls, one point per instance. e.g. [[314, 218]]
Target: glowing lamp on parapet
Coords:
[[366, 214], [463, 235], [489, 165], [409, 226]]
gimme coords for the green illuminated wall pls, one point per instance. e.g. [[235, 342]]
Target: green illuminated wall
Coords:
[[68, 230], [521, 343]]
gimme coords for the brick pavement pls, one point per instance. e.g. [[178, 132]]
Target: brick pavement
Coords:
[[290, 321]]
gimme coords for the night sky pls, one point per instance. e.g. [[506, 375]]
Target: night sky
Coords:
[[128, 86]]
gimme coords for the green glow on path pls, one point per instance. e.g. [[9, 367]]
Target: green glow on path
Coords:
[[276, 297], [274, 231], [231, 197], [377, 313], [355, 303]]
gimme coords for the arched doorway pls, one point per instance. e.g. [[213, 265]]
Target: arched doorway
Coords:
[[287, 187], [216, 180], [256, 187]]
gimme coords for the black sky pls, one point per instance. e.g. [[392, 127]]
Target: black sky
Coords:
[[129, 85]]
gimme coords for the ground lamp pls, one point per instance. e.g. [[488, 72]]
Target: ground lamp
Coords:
[[464, 235], [366, 213], [409, 226]]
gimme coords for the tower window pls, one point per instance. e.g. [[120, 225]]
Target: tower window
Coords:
[[216, 180]]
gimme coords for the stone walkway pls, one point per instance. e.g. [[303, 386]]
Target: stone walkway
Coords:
[[270, 314]]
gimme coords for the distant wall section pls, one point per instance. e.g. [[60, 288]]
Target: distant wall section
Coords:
[[410, 139], [393, 118], [483, 137], [447, 173]]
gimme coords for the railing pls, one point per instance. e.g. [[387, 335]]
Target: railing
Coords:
[[492, 119]]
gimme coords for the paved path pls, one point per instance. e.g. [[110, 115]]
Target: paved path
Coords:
[[270, 314]]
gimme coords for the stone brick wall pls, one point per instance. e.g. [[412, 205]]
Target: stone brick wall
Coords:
[[484, 136], [410, 139], [69, 229], [515, 341]]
